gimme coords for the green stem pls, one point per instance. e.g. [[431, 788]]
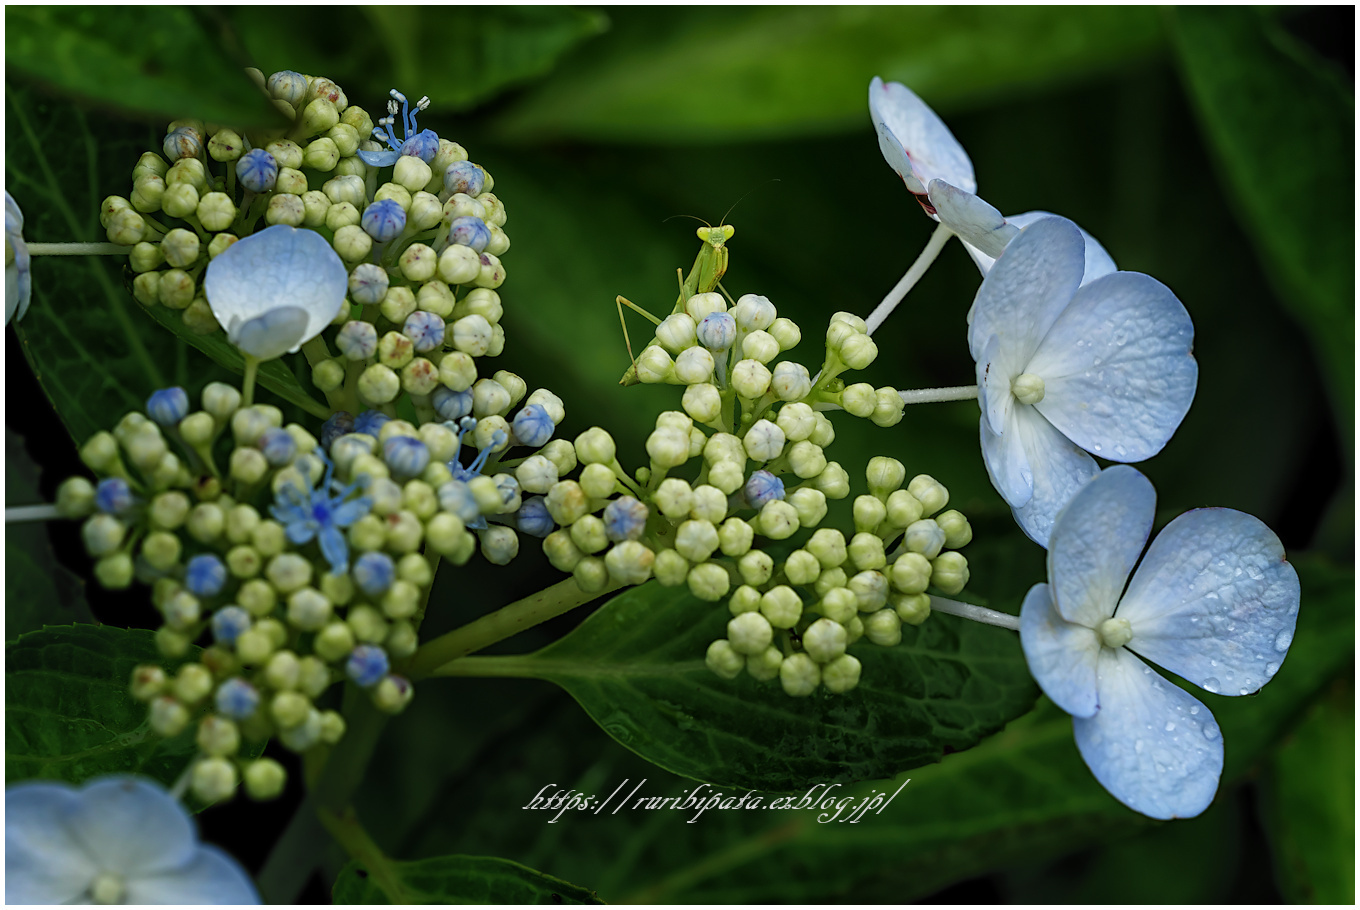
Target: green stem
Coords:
[[316, 351], [350, 834], [515, 666], [509, 620], [953, 393], [248, 380], [78, 249]]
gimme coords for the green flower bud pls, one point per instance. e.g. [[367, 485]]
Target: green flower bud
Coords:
[[888, 409], [102, 534], [884, 628], [674, 498], [825, 640], [802, 568], [924, 537], [289, 709], [592, 447], [670, 568], [253, 647], [837, 332], [402, 640], [910, 573], [342, 215], [756, 567], [912, 609], [871, 589], [765, 665], [745, 599], [257, 596], [244, 562], [588, 534], [782, 607], [168, 717], [694, 365], [786, 332], [289, 572], [404, 532], [458, 371], [561, 551], [308, 608], [903, 509], [213, 780], [735, 537], [100, 452], [858, 351], [760, 346], [799, 675], [378, 384], [161, 550], [839, 604], [448, 536], [351, 242], [398, 303], [841, 675], [328, 375], [114, 572], [171, 643], [264, 779], [866, 549], [313, 676], [248, 466], [949, 572], [218, 736], [859, 399], [703, 402], [696, 540], [724, 660], [147, 193], [459, 264], [334, 641], [709, 581], [700, 305], [751, 378], [419, 263], [317, 117], [268, 539], [806, 459], [869, 513], [957, 531], [710, 504], [332, 727], [654, 365], [750, 633], [285, 208], [931, 493], [75, 498], [315, 208], [591, 574], [192, 683], [147, 288], [393, 694], [810, 504], [630, 562], [425, 212]]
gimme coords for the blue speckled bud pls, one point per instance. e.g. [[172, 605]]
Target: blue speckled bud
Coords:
[[370, 423], [464, 177], [717, 331], [470, 231], [337, 425], [763, 487], [624, 519], [168, 406], [451, 405], [533, 518], [456, 498], [357, 340], [373, 573], [424, 145], [406, 457], [257, 170], [533, 426], [383, 220], [113, 496], [184, 142], [368, 282], [228, 623], [205, 575], [278, 446], [237, 699], [426, 331], [367, 665], [287, 85]]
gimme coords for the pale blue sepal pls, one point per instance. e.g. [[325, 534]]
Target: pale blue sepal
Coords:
[[1061, 655], [379, 159], [271, 334], [1057, 467]]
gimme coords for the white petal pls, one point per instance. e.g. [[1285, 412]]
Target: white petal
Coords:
[[280, 266], [1061, 655], [130, 825], [1028, 288], [271, 334], [1007, 465], [994, 377], [1214, 601], [1117, 368], [1059, 470], [209, 877], [1098, 262], [975, 221], [44, 862], [1095, 542], [1151, 744], [915, 141]]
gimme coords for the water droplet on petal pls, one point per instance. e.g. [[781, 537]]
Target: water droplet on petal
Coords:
[[1210, 732], [1283, 640], [1170, 726], [1138, 745], [1210, 685], [1272, 669], [1243, 691], [1194, 709]]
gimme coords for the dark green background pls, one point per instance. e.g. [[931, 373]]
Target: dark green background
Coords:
[[1210, 147]]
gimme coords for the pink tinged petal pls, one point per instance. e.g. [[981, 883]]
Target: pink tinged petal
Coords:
[[1214, 601], [972, 219], [1027, 289], [1061, 655], [209, 876], [1117, 369], [45, 863], [131, 826], [1098, 262], [1096, 541], [914, 140], [1007, 465], [1151, 744], [1059, 470]]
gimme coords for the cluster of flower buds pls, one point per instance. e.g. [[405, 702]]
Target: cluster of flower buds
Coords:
[[303, 568], [421, 250]]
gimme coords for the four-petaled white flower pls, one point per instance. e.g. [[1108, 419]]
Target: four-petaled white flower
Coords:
[[117, 839], [1213, 601], [275, 290], [18, 282], [916, 143], [1064, 369]]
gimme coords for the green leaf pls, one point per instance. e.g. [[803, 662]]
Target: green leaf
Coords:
[[700, 74], [69, 715], [456, 880], [38, 589], [636, 666], [1282, 123], [160, 62], [1310, 800]]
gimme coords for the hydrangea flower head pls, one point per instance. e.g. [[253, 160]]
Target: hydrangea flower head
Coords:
[[423, 145], [322, 513], [1214, 601], [1066, 369], [275, 290], [915, 141], [18, 281], [117, 839]]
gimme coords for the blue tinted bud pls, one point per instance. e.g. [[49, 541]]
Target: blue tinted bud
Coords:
[[368, 282], [257, 170], [763, 487], [455, 497], [717, 331], [406, 457], [337, 425], [470, 231], [228, 623], [426, 331], [113, 496], [424, 145], [624, 519], [367, 665], [373, 573], [357, 340], [205, 575], [278, 446], [533, 426], [451, 405], [383, 220], [168, 406], [237, 699], [370, 423], [464, 177], [533, 518], [287, 85], [384, 132], [184, 142]]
